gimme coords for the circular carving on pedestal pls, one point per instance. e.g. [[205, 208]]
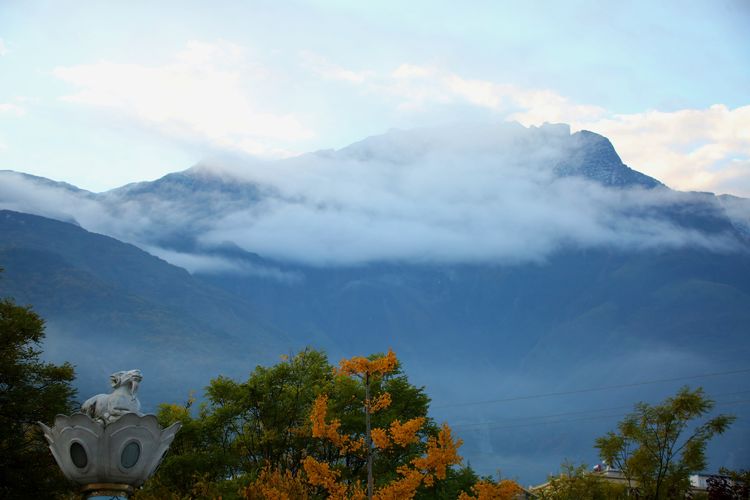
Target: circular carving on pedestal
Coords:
[[78, 455], [130, 454]]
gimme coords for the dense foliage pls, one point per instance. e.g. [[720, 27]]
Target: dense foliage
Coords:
[[729, 485], [298, 429], [578, 483], [657, 447], [30, 391], [418, 462]]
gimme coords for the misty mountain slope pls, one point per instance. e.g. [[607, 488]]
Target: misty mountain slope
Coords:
[[22, 192], [103, 299], [189, 202], [498, 261], [500, 193], [581, 319], [739, 211], [7, 175], [642, 296]]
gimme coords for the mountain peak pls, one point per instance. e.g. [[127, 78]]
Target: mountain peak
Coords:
[[583, 153], [594, 157]]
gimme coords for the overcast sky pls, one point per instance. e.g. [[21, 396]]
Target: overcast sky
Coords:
[[99, 94]]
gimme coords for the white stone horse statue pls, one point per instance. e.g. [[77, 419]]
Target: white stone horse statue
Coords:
[[109, 407]]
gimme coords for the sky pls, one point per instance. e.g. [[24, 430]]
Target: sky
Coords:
[[100, 94]]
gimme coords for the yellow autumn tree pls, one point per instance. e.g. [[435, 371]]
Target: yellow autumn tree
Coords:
[[487, 490], [441, 450], [273, 484]]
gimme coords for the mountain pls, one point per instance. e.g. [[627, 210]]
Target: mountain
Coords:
[[110, 305], [536, 285], [594, 157]]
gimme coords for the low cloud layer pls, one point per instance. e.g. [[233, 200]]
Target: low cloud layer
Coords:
[[448, 195], [460, 194], [202, 263]]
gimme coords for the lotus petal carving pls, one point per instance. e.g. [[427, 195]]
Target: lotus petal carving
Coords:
[[126, 451]]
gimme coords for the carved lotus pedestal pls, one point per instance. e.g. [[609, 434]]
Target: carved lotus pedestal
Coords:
[[111, 459]]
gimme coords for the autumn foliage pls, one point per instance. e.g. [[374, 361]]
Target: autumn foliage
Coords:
[[441, 450], [362, 367], [487, 490], [330, 430], [272, 484]]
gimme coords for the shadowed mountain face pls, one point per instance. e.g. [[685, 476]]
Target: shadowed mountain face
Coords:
[[110, 305], [501, 264]]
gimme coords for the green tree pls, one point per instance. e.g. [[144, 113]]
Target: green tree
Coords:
[[578, 483], [657, 447], [30, 391], [249, 435], [729, 485], [242, 427], [196, 466]]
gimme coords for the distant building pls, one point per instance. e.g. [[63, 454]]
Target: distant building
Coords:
[[698, 482]]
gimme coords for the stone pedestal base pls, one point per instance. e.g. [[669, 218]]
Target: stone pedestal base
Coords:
[[107, 490]]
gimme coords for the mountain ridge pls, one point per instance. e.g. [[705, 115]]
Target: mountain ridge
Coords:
[[606, 275], [95, 290], [211, 205]]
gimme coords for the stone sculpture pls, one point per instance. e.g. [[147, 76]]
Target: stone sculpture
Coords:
[[109, 407], [110, 448]]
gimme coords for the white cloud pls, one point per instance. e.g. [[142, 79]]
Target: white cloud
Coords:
[[413, 71], [451, 194], [10, 108], [421, 86], [211, 92], [211, 264], [324, 68], [690, 149], [3, 48], [206, 93], [23, 194], [447, 195]]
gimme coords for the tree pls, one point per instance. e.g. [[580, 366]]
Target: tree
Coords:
[[367, 370], [265, 418], [243, 427], [729, 485], [196, 464], [657, 447], [30, 391], [423, 458], [298, 429], [578, 483], [506, 489]]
